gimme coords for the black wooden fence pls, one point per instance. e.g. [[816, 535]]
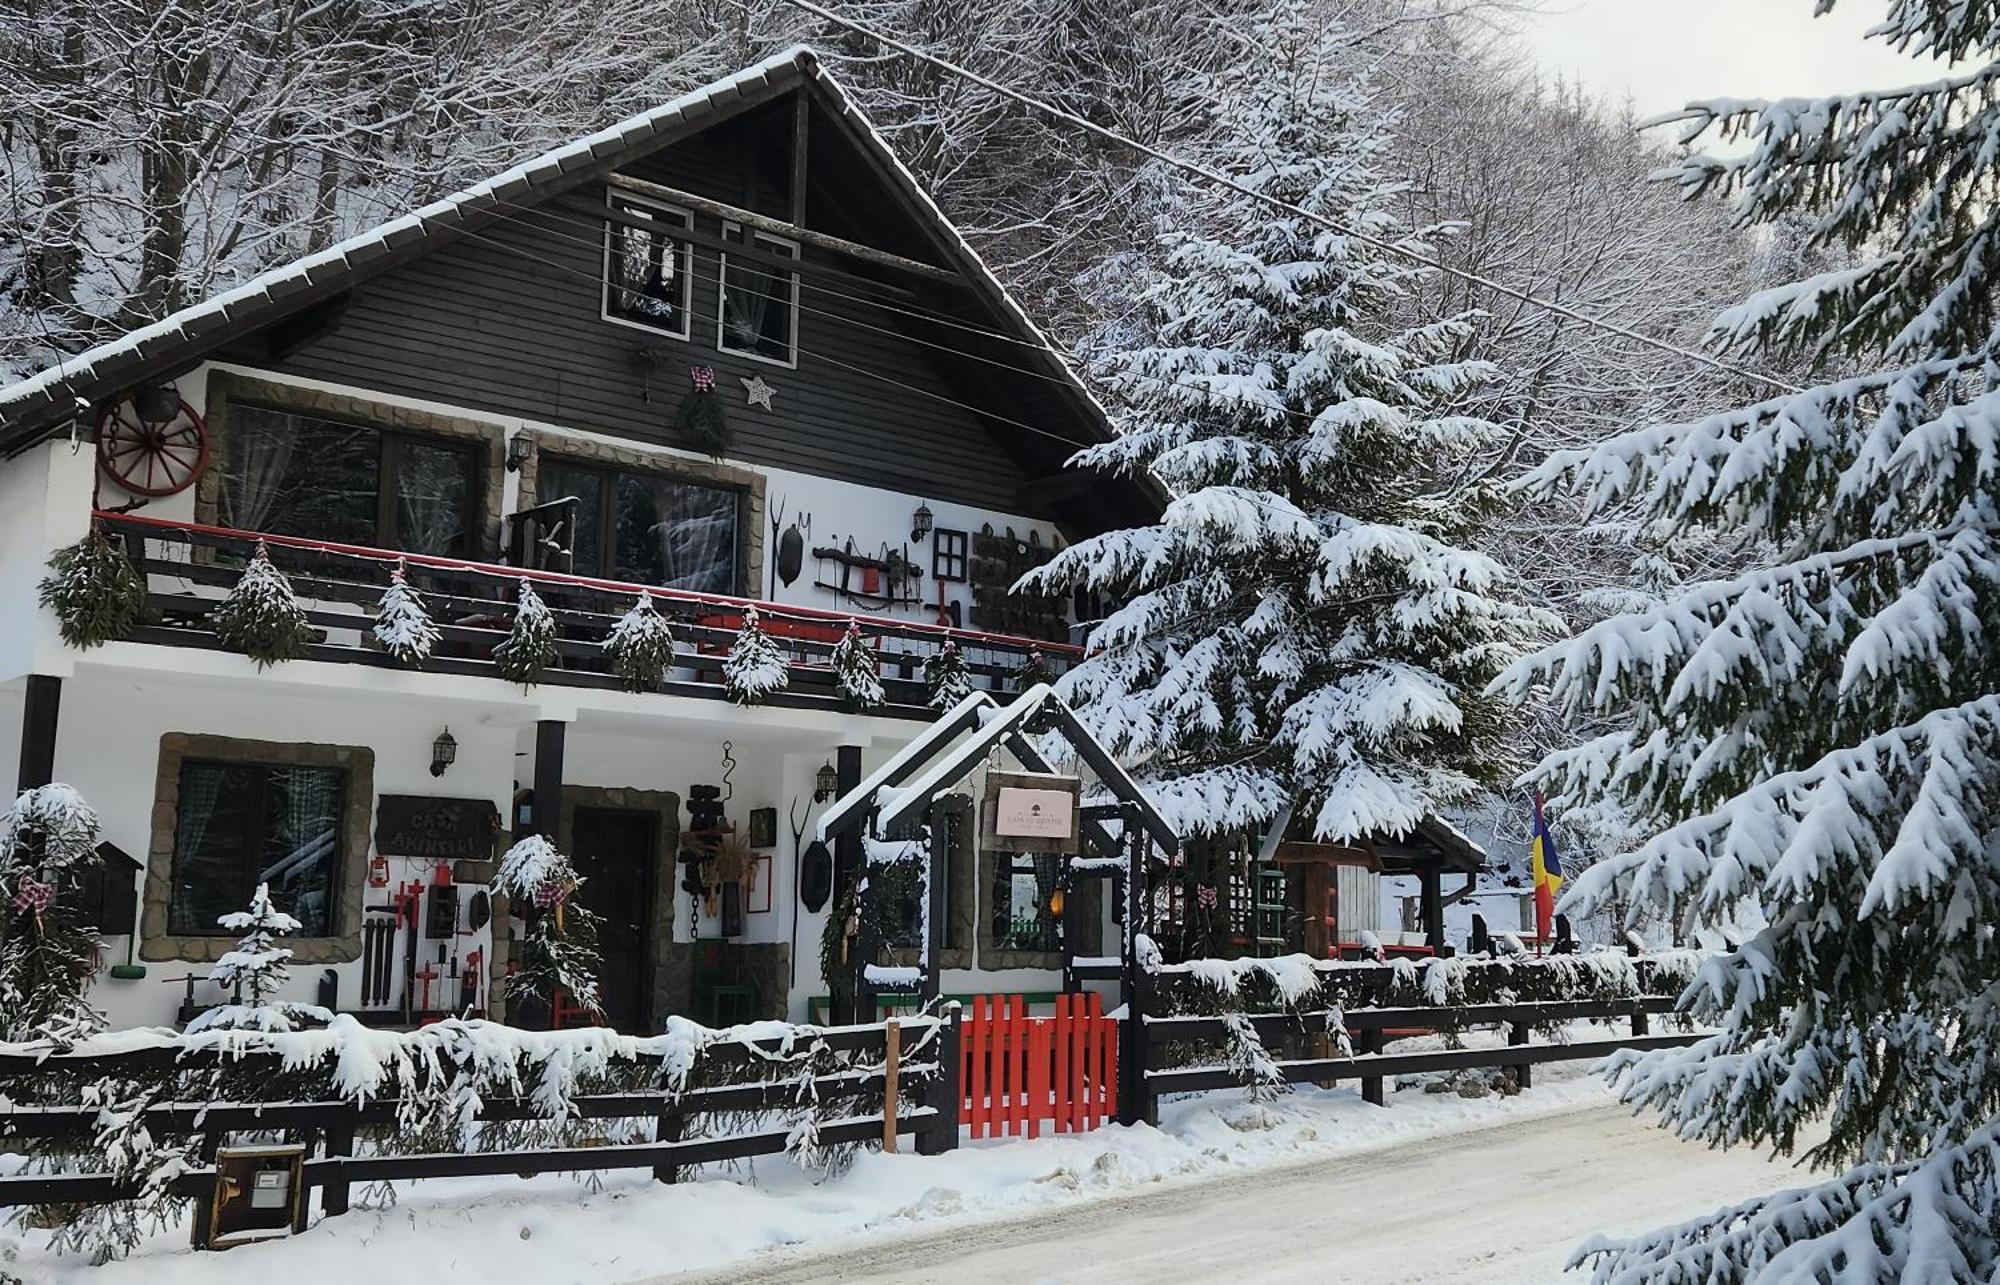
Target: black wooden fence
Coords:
[[925, 1105]]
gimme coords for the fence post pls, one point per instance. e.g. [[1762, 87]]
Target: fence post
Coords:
[[668, 1127], [1524, 1073], [1135, 1104], [338, 1144], [1640, 1022], [942, 1136], [892, 1058], [204, 1208], [1371, 1085]]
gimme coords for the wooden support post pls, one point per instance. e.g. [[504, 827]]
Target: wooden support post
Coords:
[[202, 1224], [935, 887], [550, 734], [1371, 1085], [38, 731], [945, 1097], [848, 850], [1641, 1020], [1517, 1037], [339, 1144], [669, 1126], [1134, 1103], [1432, 883], [892, 1060]]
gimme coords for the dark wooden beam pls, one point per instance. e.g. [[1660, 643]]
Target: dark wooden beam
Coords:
[[39, 713], [801, 120], [550, 735], [847, 856]]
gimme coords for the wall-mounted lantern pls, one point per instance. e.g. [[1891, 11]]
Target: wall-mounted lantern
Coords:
[[920, 523], [444, 752], [519, 448], [825, 782]]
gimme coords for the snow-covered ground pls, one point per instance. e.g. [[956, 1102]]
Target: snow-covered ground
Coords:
[[628, 1227]]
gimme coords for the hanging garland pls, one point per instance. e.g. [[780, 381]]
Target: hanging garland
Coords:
[[48, 948], [402, 624], [261, 617], [1034, 671], [94, 591], [945, 676], [530, 645], [702, 419], [754, 667], [857, 672], [559, 949]]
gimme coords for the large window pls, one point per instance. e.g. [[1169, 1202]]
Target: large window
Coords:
[[648, 528], [242, 824], [292, 474], [759, 299], [646, 270]]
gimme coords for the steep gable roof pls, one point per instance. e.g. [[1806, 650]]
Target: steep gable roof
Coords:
[[39, 406]]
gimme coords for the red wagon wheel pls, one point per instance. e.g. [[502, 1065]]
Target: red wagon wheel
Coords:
[[145, 453]]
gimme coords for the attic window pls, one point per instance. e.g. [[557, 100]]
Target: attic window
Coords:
[[646, 271], [760, 301]]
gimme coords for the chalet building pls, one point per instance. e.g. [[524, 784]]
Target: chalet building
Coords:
[[520, 381]]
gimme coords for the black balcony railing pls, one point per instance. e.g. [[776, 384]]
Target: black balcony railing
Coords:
[[189, 567]]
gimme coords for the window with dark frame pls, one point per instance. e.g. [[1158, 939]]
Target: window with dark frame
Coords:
[[649, 528], [1023, 882], [647, 270], [286, 473], [759, 313], [904, 889], [949, 552], [239, 824]]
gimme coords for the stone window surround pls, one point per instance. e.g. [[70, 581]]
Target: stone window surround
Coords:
[[641, 459], [225, 387], [357, 815]]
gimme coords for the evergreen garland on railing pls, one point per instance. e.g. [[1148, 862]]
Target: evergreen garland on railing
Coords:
[[94, 591], [261, 617]]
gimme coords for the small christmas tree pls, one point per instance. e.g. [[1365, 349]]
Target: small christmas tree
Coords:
[[641, 647], [857, 673], [260, 617], [1035, 671], [256, 970], [754, 667], [94, 591], [402, 626], [559, 950], [48, 951], [945, 676], [702, 419], [530, 647]]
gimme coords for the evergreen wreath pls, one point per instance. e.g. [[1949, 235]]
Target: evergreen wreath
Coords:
[[702, 418], [946, 677], [530, 645], [402, 624], [641, 647], [94, 590], [754, 667], [857, 672], [261, 617]]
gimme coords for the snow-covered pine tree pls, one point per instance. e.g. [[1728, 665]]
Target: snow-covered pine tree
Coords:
[[94, 591], [641, 647], [402, 625], [48, 951], [530, 645], [1300, 628], [559, 949], [946, 681], [255, 972], [857, 673], [754, 667], [261, 617], [1820, 737]]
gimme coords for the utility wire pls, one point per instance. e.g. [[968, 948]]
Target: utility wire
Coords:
[[1217, 177]]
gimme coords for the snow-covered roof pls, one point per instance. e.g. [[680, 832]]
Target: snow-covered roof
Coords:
[[37, 405]]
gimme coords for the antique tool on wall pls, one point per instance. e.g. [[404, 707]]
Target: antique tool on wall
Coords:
[[886, 581], [790, 545]]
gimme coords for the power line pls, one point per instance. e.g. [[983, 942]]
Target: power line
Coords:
[[1217, 177]]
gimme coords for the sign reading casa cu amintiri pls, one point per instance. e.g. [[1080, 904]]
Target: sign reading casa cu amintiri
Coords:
[[1031, 812]]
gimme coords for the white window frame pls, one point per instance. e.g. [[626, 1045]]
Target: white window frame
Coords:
[[756, 239], [685, 249]]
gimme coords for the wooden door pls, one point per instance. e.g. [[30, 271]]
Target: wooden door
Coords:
[[613, 851]]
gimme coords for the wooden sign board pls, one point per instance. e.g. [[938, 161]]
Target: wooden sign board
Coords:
[[1031, 812], [417, 825]]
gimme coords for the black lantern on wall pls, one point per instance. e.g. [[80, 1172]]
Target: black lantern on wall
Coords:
[[444, 752], [825, 782], [920, 523]]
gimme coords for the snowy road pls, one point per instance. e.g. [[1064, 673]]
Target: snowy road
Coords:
[[1526, 1193]]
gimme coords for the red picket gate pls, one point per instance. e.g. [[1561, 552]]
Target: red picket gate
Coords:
[[1016, 1071]]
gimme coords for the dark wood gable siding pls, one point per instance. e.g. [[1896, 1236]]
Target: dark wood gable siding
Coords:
[[508, 321]]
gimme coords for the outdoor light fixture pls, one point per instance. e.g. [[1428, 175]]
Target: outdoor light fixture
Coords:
[[1056, 902], [444, 752], [825, 782], [519, 448], [920, 523]]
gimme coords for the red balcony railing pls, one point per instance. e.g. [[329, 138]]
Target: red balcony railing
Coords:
[[189, 566]]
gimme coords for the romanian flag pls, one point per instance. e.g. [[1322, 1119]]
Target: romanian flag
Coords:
[[1548, 872]]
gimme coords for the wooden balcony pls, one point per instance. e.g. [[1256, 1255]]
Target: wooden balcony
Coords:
[[189, 567]]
